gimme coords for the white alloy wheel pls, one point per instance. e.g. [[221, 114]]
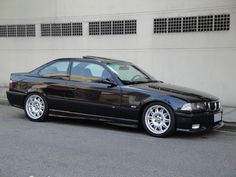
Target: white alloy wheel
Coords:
[[158, 120], [35, 107]]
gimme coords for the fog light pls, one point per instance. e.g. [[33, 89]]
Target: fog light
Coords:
[[195, 126]]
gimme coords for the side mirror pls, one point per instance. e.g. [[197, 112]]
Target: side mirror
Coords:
[[109, 81]]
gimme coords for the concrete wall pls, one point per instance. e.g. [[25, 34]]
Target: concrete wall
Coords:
[[202, 60]]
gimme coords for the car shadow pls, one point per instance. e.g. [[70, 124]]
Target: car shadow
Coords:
[[94, 123], [196, 135], [122, 127]]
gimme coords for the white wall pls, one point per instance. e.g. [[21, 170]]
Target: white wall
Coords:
[[200, 60]]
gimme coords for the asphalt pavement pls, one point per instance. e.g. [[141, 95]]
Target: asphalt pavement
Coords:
[[64, 147]]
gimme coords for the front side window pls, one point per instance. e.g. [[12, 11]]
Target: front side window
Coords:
[[88, 72], [57, 70], [129, 74]]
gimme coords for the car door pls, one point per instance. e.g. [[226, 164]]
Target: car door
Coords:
[[88, 94], [52, 83]]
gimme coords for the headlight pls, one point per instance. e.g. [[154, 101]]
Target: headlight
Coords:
[[186, 107], [193, 107]]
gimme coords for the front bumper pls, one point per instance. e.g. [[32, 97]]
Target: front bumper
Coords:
[[205, 120]]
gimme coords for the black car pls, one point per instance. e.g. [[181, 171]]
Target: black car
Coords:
[[112, 90]]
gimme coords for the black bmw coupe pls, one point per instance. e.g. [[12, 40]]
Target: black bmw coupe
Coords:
[[112, 90]]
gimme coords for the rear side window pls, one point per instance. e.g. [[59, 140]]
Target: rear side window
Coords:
[[88, 72], [57, 70]]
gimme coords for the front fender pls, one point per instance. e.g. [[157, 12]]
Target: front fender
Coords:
[[173, 102]]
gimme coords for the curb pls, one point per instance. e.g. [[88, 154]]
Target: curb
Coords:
[[229, 126], [229, 122], [3, 101]]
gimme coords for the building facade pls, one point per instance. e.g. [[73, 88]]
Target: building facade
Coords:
[[184, 42]]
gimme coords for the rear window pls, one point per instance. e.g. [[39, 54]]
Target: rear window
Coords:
[[56, 70]]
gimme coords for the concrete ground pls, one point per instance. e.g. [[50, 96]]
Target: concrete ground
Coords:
[[85, 148]]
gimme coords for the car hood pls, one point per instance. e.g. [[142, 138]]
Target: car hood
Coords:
[[187, 94]]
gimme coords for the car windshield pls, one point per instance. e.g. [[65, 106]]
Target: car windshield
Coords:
[[130, 74]]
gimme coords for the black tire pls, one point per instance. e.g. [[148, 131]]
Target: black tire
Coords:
[[152, 124], [40, 106]]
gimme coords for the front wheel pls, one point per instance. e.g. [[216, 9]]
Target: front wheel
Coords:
[[158, 120], [36, 108]]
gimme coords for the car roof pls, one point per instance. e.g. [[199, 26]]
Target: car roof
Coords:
[[97, 59]]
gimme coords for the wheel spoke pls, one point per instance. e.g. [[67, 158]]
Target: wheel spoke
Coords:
[[153, 111], [166, 120], [165, 114], [164, 125], [160, 128], [161, 111], [41, 112], [151, 123], [156, 127]]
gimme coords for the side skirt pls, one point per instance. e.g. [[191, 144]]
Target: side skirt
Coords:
[[66, 114]]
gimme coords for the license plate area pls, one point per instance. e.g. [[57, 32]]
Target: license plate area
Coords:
[[218, 117]]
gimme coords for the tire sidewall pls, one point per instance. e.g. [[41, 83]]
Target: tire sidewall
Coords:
[[44, 115], [171, 128]]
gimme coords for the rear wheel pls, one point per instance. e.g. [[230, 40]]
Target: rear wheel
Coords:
[[158, 120], [36, 108]]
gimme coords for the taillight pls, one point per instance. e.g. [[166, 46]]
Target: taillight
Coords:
[[10, 84]]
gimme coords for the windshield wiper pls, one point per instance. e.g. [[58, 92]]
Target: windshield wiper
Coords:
[[141, 82], [156, 81], [138, 82], [132, 82]]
